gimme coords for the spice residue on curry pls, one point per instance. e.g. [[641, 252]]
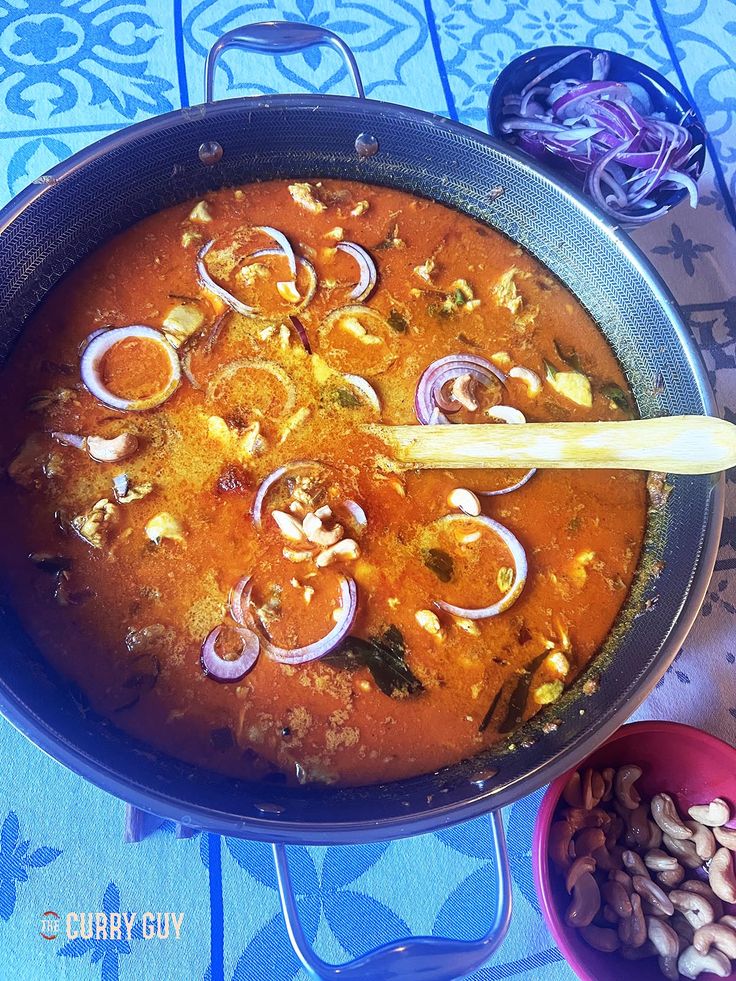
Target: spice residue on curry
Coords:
[[196, 528]]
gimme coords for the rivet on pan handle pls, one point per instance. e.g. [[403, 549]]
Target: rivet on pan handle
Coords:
[[278, 37], [425, 958]]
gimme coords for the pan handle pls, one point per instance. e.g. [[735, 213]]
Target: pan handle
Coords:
[[278, 37], [420, 958]]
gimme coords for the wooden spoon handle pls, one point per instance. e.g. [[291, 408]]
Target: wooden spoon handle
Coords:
[[673, 444]]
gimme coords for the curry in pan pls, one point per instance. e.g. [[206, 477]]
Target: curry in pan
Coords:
[[199, 530]]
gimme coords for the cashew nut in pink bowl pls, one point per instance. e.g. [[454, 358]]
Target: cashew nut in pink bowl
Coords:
[[660, 900]]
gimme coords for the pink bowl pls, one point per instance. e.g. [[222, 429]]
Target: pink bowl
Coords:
[[691, 765]]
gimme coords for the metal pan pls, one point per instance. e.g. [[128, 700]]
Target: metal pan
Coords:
[[67, 213]]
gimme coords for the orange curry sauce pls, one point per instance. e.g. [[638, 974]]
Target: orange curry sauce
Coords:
[[123, 610]]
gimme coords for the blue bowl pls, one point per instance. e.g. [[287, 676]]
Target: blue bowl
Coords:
[[664, 98]]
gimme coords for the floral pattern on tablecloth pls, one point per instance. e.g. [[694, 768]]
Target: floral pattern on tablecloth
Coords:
[[72, 71]]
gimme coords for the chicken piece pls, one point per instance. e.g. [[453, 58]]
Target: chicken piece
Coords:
[[94, 525], [306, 197]]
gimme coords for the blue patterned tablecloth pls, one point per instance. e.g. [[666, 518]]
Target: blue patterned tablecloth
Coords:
[[73, 70]]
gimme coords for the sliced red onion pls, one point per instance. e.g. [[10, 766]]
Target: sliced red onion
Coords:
[[273, 478], [235, 601], [282, 241], [604, 129], [70, 439], [99, 345], [222, 669], [508, 414], [258, 364], [518, 555], [301, 333], [512, 487], [368, 274], [357, 513], [91, 337], [311, 652], [366, 389], [306, 266], [439, 373], [209, 284]]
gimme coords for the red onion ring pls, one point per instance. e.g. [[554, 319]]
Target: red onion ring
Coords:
[[518, 555], [235, 601], [311, 652], [208, 283], [429, 390], [70, 439], [97, 347], [301, 331], [368, 273], [220, 669], [282, 241], [511, 417], [366, 389], [268, 482], [308, 268]]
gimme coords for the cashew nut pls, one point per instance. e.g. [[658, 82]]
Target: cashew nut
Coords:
[[667, 945], [696, 909], [671, 879], [633, 863], [578, 868], [664, 812], [703, 889], [691, 963], [317, 534], [715, 814], [617, 897], [729, 920], [655, 835], [682, 927], [600, 938], [586, 901], [609, 915], [638, 953], [587, 840], [721, 876], [654, 893], [638, 831], [703, 839], [608, 860], [584, 790], [716, 935], [608, 775], [660, 861], [632, 931], [614, 831], [624, 879], [560, 837], [112, 450], [726, 837], [684, 850], [578, 817], [668, 967], [623, 784], [572, 794]]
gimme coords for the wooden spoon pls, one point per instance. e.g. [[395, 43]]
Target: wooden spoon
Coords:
[[673, 444]]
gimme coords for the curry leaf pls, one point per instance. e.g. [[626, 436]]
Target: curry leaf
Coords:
[[616, 395], [397, 322], [440, 563], [385, 658], [571, 360]]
